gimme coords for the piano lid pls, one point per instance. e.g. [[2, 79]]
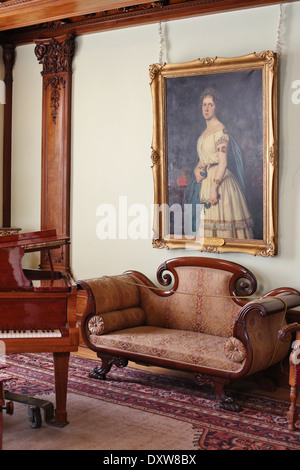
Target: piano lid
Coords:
[[34, 241], [12, 249]]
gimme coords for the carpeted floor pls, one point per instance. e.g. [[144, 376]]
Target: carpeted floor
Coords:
[[138, 410]]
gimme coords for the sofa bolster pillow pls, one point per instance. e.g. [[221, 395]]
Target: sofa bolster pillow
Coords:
[[116, 320], [234, 349]]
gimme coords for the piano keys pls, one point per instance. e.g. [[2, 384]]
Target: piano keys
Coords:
[[32, 333], [38, 307]]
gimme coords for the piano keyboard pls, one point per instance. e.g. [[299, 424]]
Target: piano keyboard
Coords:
[[20, 333]]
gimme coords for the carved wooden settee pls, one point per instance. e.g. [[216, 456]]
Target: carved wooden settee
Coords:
[[202, 323]]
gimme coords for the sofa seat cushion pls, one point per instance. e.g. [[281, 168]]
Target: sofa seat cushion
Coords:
[[183, 346]]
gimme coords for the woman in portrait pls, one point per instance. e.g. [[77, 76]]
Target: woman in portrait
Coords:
[[218, 183]]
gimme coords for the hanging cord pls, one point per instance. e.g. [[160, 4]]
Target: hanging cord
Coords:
[[281, 325], [279, 30], [161, 43], [155, 288]]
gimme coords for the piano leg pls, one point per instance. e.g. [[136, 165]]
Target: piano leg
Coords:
[[61, 367]]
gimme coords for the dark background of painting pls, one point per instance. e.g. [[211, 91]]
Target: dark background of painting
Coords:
[[242, 114]]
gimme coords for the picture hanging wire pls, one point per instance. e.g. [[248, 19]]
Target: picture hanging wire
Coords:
[[161, 43], [161, 39], [279, 30]]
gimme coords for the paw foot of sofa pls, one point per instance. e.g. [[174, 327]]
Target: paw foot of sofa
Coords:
[[99, 372], [227, 403], [225, 400]]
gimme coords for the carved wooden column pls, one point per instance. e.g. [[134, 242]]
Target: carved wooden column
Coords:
[[56, 55], [8, 59]]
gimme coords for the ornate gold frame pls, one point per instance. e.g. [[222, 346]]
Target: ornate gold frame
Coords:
[[266, 61]]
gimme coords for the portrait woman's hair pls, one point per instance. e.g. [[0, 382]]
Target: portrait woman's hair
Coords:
[[217, 98]]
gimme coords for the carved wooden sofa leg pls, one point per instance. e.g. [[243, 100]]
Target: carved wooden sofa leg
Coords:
[[225, 400], [292, 415], [107, 361]]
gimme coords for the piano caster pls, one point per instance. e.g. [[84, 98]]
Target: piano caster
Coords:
[[34, 409], [9, 408], [35, 417]]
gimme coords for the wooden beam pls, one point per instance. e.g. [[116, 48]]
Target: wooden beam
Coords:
[[117, 16], [8, 59], [17, 14]]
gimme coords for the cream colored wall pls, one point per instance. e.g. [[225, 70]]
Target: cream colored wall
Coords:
[[26, 140], [112, 132]]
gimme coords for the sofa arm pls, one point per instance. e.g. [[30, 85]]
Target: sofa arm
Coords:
[[257, 327], [113, 303], [108, 293], [285, 334]]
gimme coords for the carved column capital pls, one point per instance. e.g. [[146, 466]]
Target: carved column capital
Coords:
[[55, 54]]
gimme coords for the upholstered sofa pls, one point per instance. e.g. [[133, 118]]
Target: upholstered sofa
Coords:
[[203, 320]]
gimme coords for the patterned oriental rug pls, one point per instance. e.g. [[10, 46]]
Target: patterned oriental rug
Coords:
[[138, 410]]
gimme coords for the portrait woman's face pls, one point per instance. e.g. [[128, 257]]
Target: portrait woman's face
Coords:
[[208, 107]]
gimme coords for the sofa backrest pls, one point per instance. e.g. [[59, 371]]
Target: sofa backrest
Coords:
[[202, 302]]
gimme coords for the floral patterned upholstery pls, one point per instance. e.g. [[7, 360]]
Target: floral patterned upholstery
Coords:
[[202, 303], [187, 347], [263, 334], [192, 326], [234, 349], [114, 293]]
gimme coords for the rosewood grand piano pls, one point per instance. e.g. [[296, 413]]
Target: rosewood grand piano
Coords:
[[38, 307]]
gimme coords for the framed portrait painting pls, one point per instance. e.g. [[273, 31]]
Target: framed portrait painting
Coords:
[[214, 154]]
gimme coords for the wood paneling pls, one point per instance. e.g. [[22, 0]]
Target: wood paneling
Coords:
[[56, 55], [8, 59]]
